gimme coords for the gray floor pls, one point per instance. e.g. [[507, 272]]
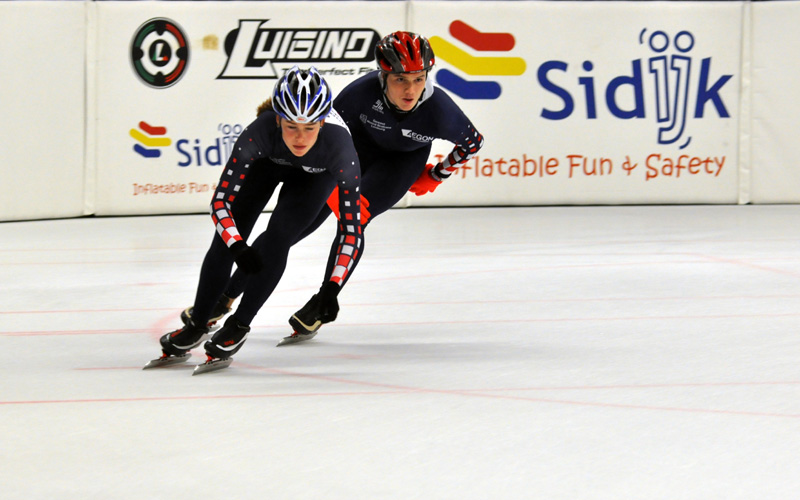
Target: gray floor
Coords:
[[506, 353]]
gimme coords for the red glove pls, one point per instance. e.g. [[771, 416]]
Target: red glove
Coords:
[[425, 183], [333, 204]]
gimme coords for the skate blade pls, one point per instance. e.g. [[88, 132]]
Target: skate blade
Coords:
[[296, 337], [166, 360], [212, 365]]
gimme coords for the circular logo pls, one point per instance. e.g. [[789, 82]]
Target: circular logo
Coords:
[[159, 53]]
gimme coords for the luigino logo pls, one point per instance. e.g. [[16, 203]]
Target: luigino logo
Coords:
[[159, 53], [253, 48]]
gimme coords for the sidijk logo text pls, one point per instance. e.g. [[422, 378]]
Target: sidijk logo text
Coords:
[[669, 74]]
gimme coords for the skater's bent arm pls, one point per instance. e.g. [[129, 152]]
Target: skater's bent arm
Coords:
[[347, 172], [230, 183]]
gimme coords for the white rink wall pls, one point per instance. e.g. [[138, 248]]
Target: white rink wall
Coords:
[[43, 102], [580, 102]]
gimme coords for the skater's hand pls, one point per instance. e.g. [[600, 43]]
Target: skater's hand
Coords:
[[246, 258], [333, 204], [328, 303], [427, 182]]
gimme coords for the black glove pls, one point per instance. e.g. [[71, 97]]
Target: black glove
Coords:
[[246, 258], [328, 304]]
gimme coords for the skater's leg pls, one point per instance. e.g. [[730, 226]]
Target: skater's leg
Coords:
[[238, 281], [299, 203], [215, 273], [385, 179]]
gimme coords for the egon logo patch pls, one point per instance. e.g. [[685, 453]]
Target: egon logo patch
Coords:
[[415, 136], [253, 49]]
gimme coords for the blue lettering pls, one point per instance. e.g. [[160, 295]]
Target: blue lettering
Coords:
[[179, 146], [569, 105], [216, 151], [588, 84], [197, 152], [638, 93], [704, 94]]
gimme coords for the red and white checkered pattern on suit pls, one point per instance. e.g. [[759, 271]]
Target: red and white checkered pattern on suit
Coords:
[[349, 240], [221, 207], [463, 151], [348, 251]]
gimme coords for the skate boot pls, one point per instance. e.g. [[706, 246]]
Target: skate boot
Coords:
[[175, 346], [222, 308], [224, 344], [313, 315], [182, 341], [304, 322], [308, 320]]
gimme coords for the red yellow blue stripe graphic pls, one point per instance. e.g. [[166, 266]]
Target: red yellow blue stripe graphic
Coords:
[[148, 140], [495, 42], [475, 65]]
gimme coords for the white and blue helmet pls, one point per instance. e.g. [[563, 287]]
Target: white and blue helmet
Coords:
[[302, 96]]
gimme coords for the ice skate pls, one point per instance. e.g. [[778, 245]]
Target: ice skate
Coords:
[[312, 316], [222, 308], [212, 364], [296, 337], [167, 360], [175, 346], [225, 343], [306, 321]]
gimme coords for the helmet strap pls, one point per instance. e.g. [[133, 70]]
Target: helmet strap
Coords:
[[382, 76], [393, 107]]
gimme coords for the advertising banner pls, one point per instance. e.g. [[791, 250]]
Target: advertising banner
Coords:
[[590, 102], [616, 102], [178, 81], [42, 93]]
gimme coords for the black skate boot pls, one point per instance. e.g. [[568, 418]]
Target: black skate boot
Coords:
[[175, 346], [181, 341], [307, 320], [224, 344], [222, 308], [320, 309]]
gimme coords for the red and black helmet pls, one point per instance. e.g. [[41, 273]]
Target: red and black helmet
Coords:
[[404, 52]]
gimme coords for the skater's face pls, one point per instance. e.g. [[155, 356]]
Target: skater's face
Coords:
[[404, 89], [299, 137]]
